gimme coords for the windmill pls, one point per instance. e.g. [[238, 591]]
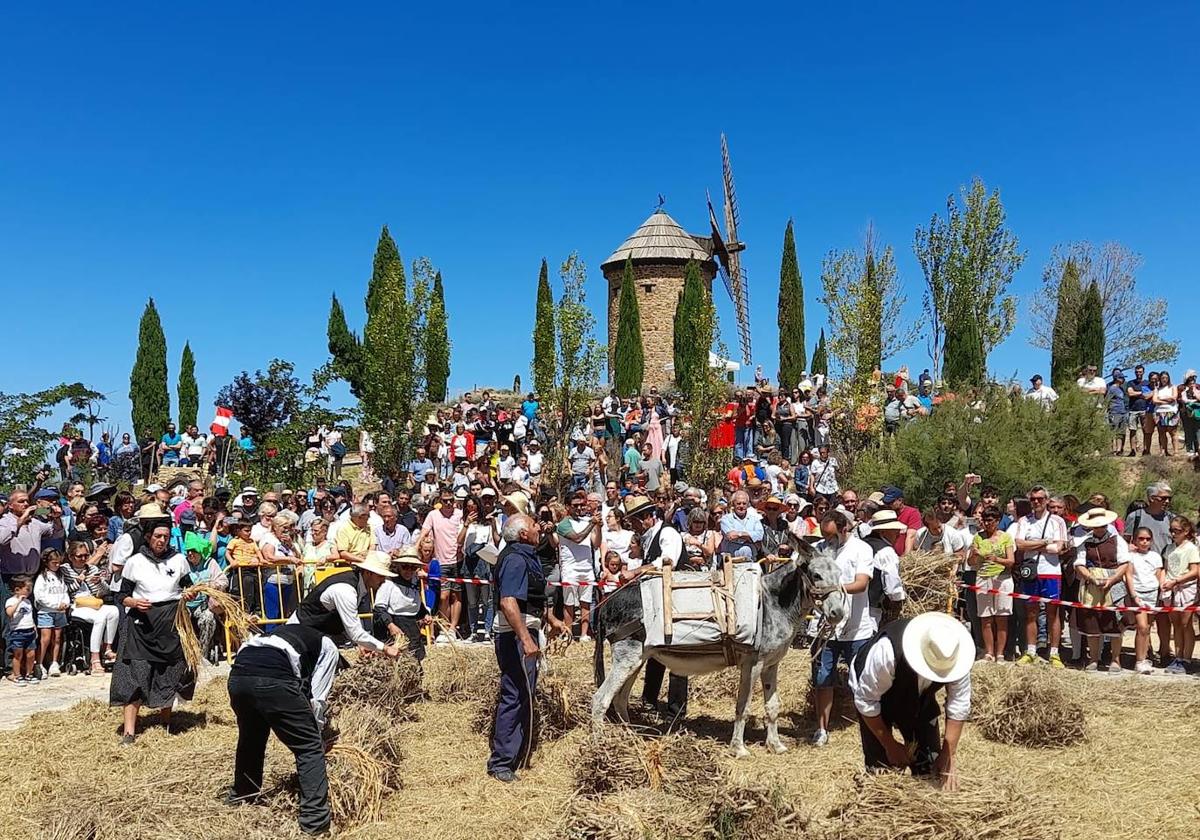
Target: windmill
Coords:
[[728, 251]]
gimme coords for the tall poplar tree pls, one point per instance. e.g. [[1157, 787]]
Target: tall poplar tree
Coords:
[[187, 390], [148, 392], [543, 335], [820, 357], [792, 359], [437, 344], [1064, 361], [690, 351], [345, 348], [964, 365], [628, 356], [1089, 340]]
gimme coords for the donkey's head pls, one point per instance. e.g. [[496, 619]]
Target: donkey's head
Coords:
[[811, 580]]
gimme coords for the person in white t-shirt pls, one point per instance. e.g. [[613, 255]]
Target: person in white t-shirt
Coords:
[[1144, 574], [578, 539], [1042, 536], [856, 566], [1091, 383], [1043, 395]]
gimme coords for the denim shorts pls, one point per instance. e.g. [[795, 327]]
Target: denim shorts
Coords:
[[46, 620], [825, 667], [22, 640]]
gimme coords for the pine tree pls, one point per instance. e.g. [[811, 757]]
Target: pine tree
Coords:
[[1089, 340], [187, 390], [870, 338], [543, 335], [628, 358], [148, 391], [437, 344], [345, 348], [820, 358], [963, 363], [689, 349], [1064, 362], [791, 314]]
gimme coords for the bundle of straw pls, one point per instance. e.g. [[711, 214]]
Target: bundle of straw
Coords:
[[560, 705], [721, 686], [929, 582], [754, 812], [616, 758], [1029, 707], [644, 814], [891, 806], [241, 624], [389, 686], [455, 675]]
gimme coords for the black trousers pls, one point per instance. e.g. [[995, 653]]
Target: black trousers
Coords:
[[677, 688], [920, 731], [268, 704]]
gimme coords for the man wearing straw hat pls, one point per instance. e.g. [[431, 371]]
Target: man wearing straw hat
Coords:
[[895, 679], [886, 590], [332, 606]]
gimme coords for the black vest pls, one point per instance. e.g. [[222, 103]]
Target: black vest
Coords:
[[265, 661], [312, 613], [875, 587], [654, 550], [903, 701], [535, 589]]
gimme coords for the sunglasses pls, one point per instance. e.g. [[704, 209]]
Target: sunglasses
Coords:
[[80, 555]]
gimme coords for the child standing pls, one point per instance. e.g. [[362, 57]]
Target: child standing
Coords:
[[1144, 579], [22, 638], [245, 579], [610, 577], [51, 597]]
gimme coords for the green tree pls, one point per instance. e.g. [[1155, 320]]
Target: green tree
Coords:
[[187, 390], [792, 360], [23, 442], [543, 335], [628, 357], [689, 349], [820, 358], [1089, 340], [963, 362], [703, 402], [1064, 361], [345, 348], [437, 344], [148, 394]]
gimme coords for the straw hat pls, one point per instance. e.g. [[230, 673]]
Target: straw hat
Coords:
[[885, 520], [635, 505], [518, 500], [150, 512], [774, 502], [408, 557], [1097, 518], [938, 647], [377, 562]]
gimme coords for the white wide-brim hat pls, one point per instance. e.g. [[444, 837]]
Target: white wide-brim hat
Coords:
[[938, 647], [378, 562]]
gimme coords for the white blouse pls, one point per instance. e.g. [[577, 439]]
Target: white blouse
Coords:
[[156, 582]]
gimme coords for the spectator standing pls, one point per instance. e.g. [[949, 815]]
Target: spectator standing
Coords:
[[22, 633], [1042, 537], [1166, 413], [1043, 395], [444, 524], [1143, 581], [909, 516], [1182, 559], [1189, 413], [992, 556], [578, 537], [1138, 392], [823, 475], [1090, 383], [1116, 408], [1156, 516], [1100, 564]]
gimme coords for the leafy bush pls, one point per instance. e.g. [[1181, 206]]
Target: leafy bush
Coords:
[[1010, 441]]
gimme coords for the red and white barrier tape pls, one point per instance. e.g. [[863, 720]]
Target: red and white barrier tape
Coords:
[[1062, 602], [485, 581]]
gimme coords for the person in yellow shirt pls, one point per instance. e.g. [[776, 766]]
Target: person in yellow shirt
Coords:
[[355, 538]]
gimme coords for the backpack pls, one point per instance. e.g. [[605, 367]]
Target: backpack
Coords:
[[338, 449]]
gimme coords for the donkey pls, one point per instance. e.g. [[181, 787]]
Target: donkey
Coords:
[[788, 593]]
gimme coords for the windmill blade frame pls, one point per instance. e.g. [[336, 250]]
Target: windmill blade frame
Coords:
[[736, 283]]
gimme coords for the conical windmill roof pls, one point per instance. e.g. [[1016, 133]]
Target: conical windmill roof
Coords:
[[659, 238]]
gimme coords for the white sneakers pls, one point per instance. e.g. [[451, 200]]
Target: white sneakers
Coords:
[[54, 670], [820, 738], [1144, 667]]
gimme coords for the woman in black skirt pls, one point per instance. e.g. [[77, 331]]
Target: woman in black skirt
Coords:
[[150, 668]]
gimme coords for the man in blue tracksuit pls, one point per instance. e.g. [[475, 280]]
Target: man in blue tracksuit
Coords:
[[520, 594]]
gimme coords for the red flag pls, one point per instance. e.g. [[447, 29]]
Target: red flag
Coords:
[[220, 423]]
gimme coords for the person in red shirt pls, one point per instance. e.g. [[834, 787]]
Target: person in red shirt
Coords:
[[893, 497], [744, 424]]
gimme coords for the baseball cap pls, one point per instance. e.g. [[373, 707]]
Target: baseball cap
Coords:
[[47, 494], [891, 494], [154, 488]]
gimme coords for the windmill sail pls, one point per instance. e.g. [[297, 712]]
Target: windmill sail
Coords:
[[731, 252]]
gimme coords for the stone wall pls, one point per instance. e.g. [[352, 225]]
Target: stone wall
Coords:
[[658, 288]]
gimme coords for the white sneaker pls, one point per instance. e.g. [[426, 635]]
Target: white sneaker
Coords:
[[820, 738], [585, 638], [442, 640], [54, 670], [1144, 667]]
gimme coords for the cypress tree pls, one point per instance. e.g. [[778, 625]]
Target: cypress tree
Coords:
[[791, 314], [345, 348], [869, 354], [543, 335], [628, 358], [1064, 359], [1089, 340], [148, 393], [963, 362], [187, 390], [437, 344], [820, 358], [689, 350]]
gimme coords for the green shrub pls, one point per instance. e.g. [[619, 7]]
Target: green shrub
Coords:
[[1010, 441]]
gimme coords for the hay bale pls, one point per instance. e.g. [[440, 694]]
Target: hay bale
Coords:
[[560, 705], [453, 675], [1029, 707], [642, 814], [390, 687], [892, 805], [754, 812], [929, 581], [616, 758]]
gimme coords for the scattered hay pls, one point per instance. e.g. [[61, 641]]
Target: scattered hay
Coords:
[[240, 623], [929, 582], [617, 758], [1028, 707], [754, 812], [721, 686], [390, 687], [891, 805], [642, 814], [453, 675]]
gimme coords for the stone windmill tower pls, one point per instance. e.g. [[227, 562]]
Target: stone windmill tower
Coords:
[[660, 249]]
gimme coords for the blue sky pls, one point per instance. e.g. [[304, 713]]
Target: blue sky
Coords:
[[237, 163]]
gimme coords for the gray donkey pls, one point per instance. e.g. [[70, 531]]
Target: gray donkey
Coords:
[[788, 594]]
